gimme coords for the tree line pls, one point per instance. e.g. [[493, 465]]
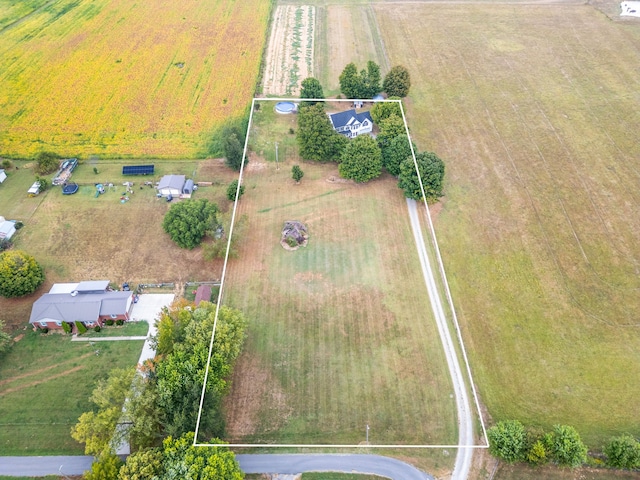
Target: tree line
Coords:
[[160, 402]]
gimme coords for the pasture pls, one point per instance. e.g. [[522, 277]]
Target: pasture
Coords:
[[341, 334], [81, 237], [45, 384], [534, 110], [121, 79]]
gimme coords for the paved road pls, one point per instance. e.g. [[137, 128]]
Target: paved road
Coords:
[[283, 464], [465, 422], [299, 463], [41, 466]]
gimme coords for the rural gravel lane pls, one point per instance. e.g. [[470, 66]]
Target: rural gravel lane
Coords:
[[465, 422]]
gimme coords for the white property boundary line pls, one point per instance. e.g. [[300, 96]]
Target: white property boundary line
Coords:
[[443, 278]]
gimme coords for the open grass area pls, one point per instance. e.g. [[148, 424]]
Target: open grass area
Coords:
[[122, 79], [45, 384], [521, 472], [81, 237], [340, 332], [534, 111], [320, 476]]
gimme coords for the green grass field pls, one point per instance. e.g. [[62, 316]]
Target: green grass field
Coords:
[[534, 111], [341, 333], [45, 384], [129, 329]]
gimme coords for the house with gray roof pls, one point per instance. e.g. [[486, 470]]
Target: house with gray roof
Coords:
[[171, 185], [91, 303], [351, 123]]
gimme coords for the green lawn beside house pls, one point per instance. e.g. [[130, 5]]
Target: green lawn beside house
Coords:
[[45, 385]]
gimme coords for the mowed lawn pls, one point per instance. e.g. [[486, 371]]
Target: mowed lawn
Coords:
[[534, 109], [45, 384], [341, 334], [123, 79], [81, 237]]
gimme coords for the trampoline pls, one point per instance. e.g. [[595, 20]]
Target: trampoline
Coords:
[[285, 107], [69, 188]]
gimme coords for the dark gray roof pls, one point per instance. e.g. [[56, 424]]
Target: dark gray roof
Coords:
[[92, 286], [348, 117], [87, 307]]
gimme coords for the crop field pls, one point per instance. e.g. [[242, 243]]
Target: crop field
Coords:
[[45, 384], [534, 110], [341, 333], [81, 237], [122, 79]]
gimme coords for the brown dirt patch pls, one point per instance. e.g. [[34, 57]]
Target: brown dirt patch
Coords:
[[38, 382], [40, 370], [18, 338], [253, 388]]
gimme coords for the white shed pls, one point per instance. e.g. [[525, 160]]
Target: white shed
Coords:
[[3, 175], [7, 228], [171, 185]]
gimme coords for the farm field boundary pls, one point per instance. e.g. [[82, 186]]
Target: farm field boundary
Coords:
[[446, 298]]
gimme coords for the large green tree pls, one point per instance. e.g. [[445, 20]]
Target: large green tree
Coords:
[[507, 441], [397, 82], [20, 274], [350, 81], [390, 127], [106, 467], [382, 110], [188, 221], [364, 84], [623, 452], [97, 429], [233, 149], [46, 162], [431, 171], [396, 152], [142, 465], [361, 160], [180, 375], [316, 137], [565, 446], [311, 88], [183, 461]]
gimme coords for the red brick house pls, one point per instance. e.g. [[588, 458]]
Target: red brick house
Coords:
[[91, 303]]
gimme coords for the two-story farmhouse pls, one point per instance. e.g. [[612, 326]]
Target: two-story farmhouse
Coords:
[[351, 124]]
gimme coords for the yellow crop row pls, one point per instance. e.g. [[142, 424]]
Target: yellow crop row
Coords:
[[122, 78]]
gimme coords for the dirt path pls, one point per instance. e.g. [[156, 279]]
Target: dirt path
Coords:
[[465, 422], [45, 380]]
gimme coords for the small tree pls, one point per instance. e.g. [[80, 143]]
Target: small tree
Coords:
[[5, 244], [189, 221], [566, 447], [144, 464], [297, 173], [6, 163], [43, 182], [623, 452], [5, 339], [311, 88], [432, 174], [397, 82], [232, 189], [507, 441], [20, 274], [361, 160], [46, 162], [105, 468], [233, 150]]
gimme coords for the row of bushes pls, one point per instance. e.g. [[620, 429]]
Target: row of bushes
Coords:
[[81, 328], [511, 441]]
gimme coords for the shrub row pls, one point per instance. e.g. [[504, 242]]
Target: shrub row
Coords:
[[510, 441]]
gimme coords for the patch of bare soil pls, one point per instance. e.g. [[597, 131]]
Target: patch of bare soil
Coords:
[[40, 370], [334, 179], [19, 337], [45, 380], [253, 388]]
